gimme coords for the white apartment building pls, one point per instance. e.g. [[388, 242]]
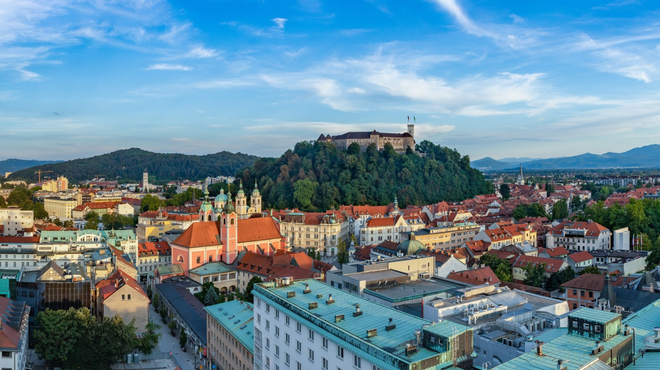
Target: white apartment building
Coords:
[[307, 324], [13, 220], [579, 236], [379, 229]]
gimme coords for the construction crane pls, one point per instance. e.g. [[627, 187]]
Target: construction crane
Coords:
[[40, 172]]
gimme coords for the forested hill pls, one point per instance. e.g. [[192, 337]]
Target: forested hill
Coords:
[[319, 176], [128, 164]]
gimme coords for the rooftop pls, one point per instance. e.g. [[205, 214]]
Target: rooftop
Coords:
[[392, 342], [237, 317], [414, 289]]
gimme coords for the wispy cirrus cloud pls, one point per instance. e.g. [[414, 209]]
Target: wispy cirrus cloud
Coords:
[[168, 67]]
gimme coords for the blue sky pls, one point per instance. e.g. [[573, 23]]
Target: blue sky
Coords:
[[489, 78]]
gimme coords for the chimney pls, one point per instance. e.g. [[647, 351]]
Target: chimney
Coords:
[[539, 348], [357, 311], [330, 300]]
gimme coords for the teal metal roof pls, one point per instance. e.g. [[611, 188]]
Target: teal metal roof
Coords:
[[594, 315], [237, 318], [650, 361], [374, 316], [574, 349], [447, 329], [643, 322], [212, 268]]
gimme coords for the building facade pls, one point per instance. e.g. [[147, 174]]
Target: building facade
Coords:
[[400, 141], [14, 220], [310, 325], [230, 335], [319, 231], [60, 207]]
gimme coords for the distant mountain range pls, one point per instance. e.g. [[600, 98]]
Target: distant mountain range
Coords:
[[644, 157], [128, 164], [13, 164]]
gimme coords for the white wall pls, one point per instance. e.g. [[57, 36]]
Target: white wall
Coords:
[[267, 318]]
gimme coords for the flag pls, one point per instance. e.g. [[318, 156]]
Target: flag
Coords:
[[414, 119], [408, 118]]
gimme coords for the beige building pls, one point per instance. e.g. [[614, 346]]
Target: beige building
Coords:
[[230, 335], [400, 142], [13, 220], [319, 231], [121, 295], [223, 276], [449, 236], [60, 207], [56, 185]]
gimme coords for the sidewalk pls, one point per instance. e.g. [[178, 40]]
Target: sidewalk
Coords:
[[165, 364], [168, 343]]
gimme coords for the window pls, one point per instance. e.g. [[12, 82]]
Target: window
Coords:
[[575, 323], [199, 259], [287, 358], [123, 297], [267, 343], [325, 343], [298, 346], [298, 366], [340, 352], [298, 327], [287, 321], [6, 354], [357, 362], [591, 294], [129, 297], [277, 351], [311, 355], [574, 291], [287, 338], [311, 335], [267, 325], [277, 314], [277, 331], [258, 318], [268, 362], [585, 326], [325, 363], [267, 307]]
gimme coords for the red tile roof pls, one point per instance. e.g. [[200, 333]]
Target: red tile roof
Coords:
[[381, 221], [475, 277], [580, 256], [19, 239], [161, 248], [593, 282], [199, 234], [552, 264], [9, 337], [257, 229], [118, 279], [554, 252]]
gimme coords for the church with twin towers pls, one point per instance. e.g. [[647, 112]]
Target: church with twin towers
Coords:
[[212, 211]]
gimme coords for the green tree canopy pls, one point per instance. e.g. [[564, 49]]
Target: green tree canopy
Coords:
[[535, 275], [560, 210], [500, 266], [505, 191], [151, 203], [590, 270], [250, 286]]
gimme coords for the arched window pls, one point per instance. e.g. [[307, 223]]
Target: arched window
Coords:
[[231, 222]]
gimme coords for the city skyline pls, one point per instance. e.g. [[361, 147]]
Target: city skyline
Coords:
[[491, 79]]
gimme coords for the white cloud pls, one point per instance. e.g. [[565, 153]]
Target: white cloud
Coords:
[[200, 52], [452, 7], [517, 19], [279, 23], [168, 67]]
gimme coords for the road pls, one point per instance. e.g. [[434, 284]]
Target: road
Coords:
[[168, 343]]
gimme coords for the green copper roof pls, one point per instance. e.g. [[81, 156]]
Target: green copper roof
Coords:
[[594, 315], [222, 197], [410, 246], [374, 316], [212, 268], [237, 318]]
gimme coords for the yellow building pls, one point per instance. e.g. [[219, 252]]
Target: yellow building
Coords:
[[445, 237], [318, 231], [59, 207]]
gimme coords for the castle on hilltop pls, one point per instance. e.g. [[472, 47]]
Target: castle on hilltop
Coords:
[[400, 142]]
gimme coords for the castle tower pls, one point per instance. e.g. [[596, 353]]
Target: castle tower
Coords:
[[229, 232], [411, 130], [145, 181], [255, 199], [241, 202]]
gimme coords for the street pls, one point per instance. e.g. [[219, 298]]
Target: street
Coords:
[[168, 343]]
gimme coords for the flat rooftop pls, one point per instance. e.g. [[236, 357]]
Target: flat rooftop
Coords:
[[413, 290], [376, 275]]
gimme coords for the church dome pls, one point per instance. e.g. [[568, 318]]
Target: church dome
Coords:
[[229, 207], [222, 197], [410, 246]]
